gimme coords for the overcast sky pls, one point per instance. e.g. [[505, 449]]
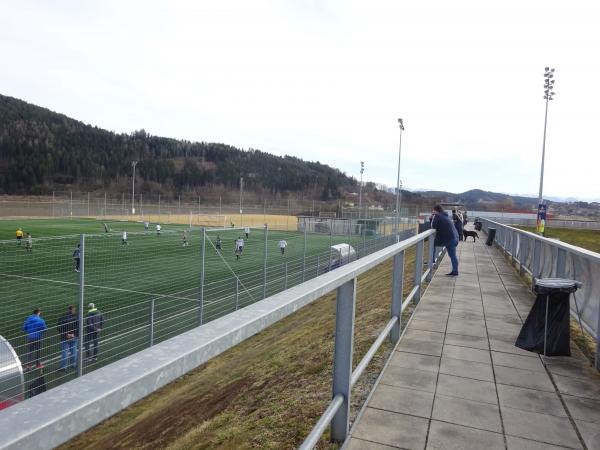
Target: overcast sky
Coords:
[[327, 80]]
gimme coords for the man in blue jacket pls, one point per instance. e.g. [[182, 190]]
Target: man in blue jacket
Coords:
[[445, 236], [34, 326]]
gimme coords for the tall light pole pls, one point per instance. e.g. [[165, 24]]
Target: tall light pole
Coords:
[[133, 164], [548, 93], [398, 194], [241, 199], [362, 169]]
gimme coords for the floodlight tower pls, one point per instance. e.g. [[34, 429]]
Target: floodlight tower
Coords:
[[133, 164], [398, 194], [362, 169], [548, 93]]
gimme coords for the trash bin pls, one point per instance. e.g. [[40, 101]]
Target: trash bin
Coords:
[[546, 329], [491, 236], [477, 224]]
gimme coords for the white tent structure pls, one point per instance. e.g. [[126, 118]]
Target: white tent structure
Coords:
[[342, 254]]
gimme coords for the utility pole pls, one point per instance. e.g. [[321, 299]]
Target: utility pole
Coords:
[[548, 93]]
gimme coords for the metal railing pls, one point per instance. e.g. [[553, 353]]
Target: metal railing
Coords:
[[543, 258], [45, 422]]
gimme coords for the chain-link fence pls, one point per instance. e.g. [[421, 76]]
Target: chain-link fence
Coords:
[[169, 207], [71, 304]]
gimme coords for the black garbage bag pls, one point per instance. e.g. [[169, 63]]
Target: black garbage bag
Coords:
[[531, 337]]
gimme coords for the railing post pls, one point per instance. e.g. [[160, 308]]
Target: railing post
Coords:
[[561, 262], [523, 253], [265, 262], [430, 252], [285, 279], [598, 343], [202, 255], [513, 246], [81, 303], [418, 270], [237, 293], [151, 322], [397, 295], [304, 255], [536, 259], [331, 223], [342, 358]]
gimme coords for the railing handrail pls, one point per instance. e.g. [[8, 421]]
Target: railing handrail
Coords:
[[52, 418], [553, 242]]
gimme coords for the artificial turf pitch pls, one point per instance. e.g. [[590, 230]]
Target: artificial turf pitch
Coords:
[[153, 279]]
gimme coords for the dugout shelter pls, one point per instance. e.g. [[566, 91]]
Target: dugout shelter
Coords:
[[342, 254], [11, 376]]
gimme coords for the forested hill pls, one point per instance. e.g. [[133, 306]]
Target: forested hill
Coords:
[[41, 150]]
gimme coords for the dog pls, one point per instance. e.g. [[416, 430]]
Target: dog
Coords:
[[473, 234]]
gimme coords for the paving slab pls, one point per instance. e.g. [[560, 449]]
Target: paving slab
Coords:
[[389, 428], [415, 361], [447, 436], [468, 388], [457, 381]]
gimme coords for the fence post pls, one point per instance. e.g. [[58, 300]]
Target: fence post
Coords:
[[81, 304], [285, 281], [203, 251], [237, 293], [342, 358], [71, 205], [159, 207], [105, 204], [330, 243], [265, 262], [430, 252], [151, 322], [364, 230], [88, 214], [52, 203], [397, 294], [418, 270], [304, 255], [318, 264]]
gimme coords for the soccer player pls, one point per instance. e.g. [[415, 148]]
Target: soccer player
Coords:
[[218, 245], [158, 229], [29, 243], [184, 239], [282, 245], [239, 247], [19, 234], [77, 258], [146, 226], [124, 238], [247, 231], [106, 229]]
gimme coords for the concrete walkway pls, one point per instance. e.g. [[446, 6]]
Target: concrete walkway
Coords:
[[456, 380]]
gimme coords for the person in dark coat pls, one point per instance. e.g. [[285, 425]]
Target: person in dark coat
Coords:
[[458, 223], [35, 327], [445, 236], [94, 322], [68, 329]]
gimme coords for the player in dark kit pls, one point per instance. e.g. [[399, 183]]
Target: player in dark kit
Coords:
[[218, 245], [77, 258]]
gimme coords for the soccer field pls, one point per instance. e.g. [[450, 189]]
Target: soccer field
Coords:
[[149, 289]]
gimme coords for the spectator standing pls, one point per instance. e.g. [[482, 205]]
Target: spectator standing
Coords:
[[35, 327], [458, 223], [68, 329], [445, 236], [94, 322]]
